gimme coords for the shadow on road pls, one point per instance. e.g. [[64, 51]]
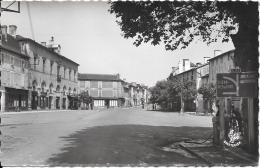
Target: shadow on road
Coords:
[[128, 145], [139, 145]]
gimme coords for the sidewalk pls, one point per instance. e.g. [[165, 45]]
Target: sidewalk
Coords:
[[40, 111], [216, 156], [57, 111]]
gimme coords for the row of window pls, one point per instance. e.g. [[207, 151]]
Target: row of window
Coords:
[[50, 89], [37, 62], [103, 93], [97, 84], [13, 60], [187, 77], [102, 103]]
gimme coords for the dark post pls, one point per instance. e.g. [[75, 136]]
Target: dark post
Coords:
[[221, 121]]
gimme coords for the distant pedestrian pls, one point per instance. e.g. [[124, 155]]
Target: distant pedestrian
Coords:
[[91, 105]]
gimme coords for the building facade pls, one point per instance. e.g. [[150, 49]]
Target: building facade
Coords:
[[190, 75], [13, 73], [105, 89], [110, 91], [222, 63], [202, 80], [52, 78], [137, 94]]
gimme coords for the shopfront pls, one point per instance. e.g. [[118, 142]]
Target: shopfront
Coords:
[[34, 100], [74, 102], [43, 100], [64, 103], [50, 102], [16, 99], [57, 102]]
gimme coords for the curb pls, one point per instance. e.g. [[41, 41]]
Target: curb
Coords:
[[209, 163]]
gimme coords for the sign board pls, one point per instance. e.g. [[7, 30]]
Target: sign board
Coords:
[[237, 84], [228, 85], [235, 70], [248, 84]]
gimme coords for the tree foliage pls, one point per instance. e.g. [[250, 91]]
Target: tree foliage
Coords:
[[85, 98], [184, 88], [177, 23], [168, 91], [159, 92], [208, 91], [209, 94]]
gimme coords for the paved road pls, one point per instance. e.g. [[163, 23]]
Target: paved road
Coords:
[[115, 136]]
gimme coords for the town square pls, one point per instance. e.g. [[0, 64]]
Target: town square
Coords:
[[135, 83]]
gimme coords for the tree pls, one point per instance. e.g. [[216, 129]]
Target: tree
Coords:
[[209, 93], [173, 90], [176, 24], [85, 98], [159, 93], [185, 89]]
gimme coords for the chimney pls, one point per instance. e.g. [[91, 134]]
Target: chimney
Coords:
[[217, 52], [180, 65], [186, 64], [4, 32], [206, 59], [12, 30], [118, 76], [43, 43], [198, 64]]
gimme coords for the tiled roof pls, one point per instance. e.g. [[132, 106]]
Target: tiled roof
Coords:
[[21, 38], [99, 77]]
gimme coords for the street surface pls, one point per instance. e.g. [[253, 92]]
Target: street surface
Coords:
[[100, 137]]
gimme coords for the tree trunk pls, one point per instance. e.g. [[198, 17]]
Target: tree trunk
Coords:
[[182, 105], [246, 40]]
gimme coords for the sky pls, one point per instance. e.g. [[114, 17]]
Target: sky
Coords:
[[89, 35]]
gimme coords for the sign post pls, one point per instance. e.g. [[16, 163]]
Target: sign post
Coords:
[[239, 84]]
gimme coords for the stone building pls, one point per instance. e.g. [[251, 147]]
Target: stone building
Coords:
[[127, 94], [138, 94], [189, 75], [202, 80], [52, 78], [222, 63], [13, 72], [105, 89], [110, 91]]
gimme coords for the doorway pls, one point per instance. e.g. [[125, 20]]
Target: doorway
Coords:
[[57, 102], [107, 103]]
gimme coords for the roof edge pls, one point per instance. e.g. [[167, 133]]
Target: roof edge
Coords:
[[9, 50], [221, 54], [28, 39]]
